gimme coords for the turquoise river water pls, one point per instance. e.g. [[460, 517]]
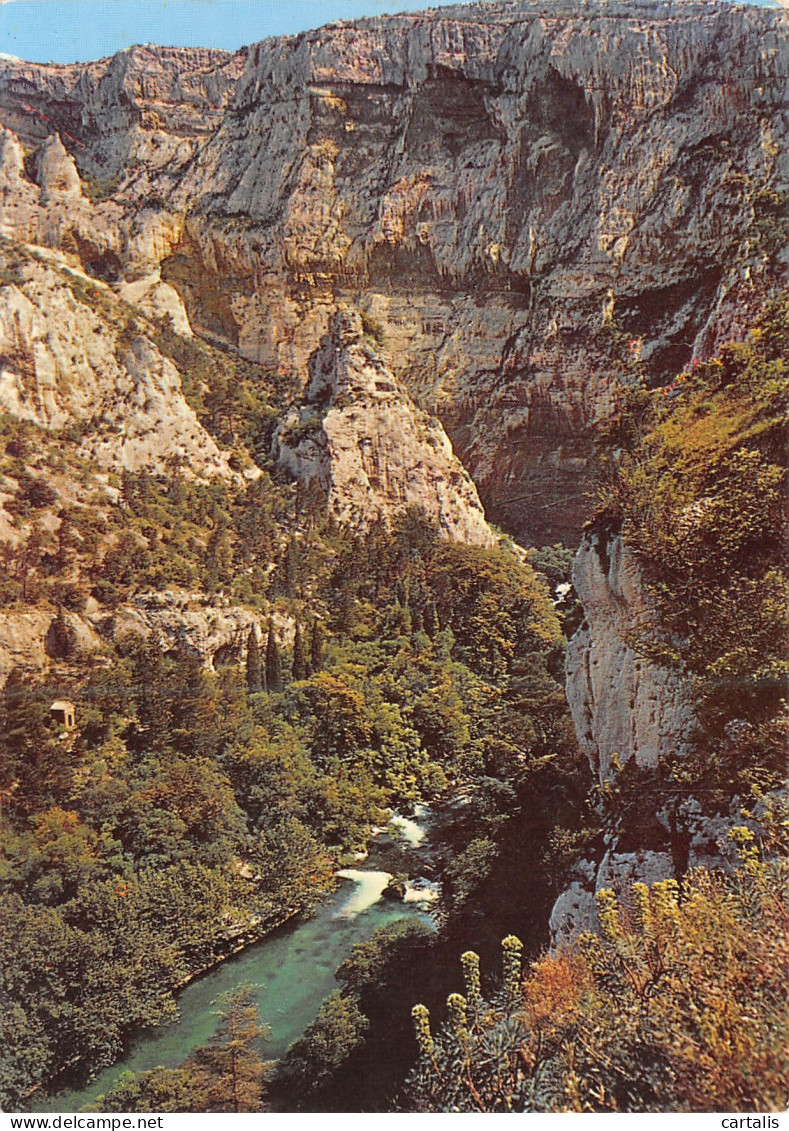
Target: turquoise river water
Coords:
[[293, 968]]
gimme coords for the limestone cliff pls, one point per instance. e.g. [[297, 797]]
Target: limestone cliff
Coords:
[[25, 638], [624, 706], [630, 708], [537, 202], [186, 624], [361, 438], [69, 356]]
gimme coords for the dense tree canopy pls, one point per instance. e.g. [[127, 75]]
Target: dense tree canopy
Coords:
[[190, 808]]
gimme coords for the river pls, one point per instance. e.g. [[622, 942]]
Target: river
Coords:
[[293, 968]]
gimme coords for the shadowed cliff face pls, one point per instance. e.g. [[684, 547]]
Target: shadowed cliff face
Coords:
[[535, 204]]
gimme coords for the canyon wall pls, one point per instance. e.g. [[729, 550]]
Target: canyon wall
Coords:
[[629, 710], [536, 204], [624, 705]]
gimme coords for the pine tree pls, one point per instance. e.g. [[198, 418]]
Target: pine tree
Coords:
[[129, 492], [177, 491], [316, 646], [67, 542], [333, 1036], [254, 664], [273, 661], [228, 1073], [299, 655]]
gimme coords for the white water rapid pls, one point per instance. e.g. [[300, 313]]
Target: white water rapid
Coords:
[[411, 830], [421, 891], [369, 889]]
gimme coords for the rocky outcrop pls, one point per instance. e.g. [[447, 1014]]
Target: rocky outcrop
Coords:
[[703, 838], [361, 438], [624, 705], [12, 158], [627, 707], [575, 910], [157, 300], [537, 203], [68, 357], [28, 642], [23, 642], [212, 632], [56, 171], [188, 624]]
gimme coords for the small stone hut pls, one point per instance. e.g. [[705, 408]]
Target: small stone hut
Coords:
[[63, 712]]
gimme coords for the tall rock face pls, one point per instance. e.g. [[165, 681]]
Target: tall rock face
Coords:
[[629, 708], [624, 705], [537, 202], [70, 358], [360, 438]]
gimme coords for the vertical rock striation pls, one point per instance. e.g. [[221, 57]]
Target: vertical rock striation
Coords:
[[628, 708], [539, 203], [624, 705]]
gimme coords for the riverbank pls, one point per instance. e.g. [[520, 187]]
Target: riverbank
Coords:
[[248, 935], [292, 968]]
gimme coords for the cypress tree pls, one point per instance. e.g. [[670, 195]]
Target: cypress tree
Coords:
[[316, 646], [128, 490], [291, 569], [299, 655], [273, 661], [430, 619], [64, 638], [254, 664]]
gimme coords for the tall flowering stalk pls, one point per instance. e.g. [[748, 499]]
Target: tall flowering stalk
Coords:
[[457, 1008], [470, 964], [512, 956], [424, 1038]]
